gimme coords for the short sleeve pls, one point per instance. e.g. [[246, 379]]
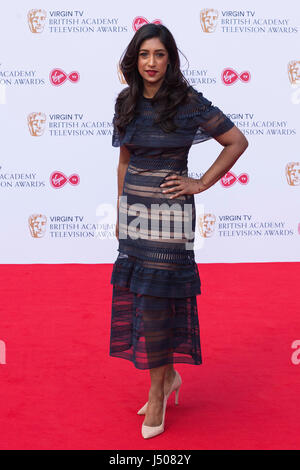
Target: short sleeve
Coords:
[[208, 120], [116, 141]]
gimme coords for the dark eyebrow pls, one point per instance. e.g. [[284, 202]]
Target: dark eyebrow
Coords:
[[156, 50]]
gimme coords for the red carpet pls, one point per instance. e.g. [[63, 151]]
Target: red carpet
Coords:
[[61, 390]]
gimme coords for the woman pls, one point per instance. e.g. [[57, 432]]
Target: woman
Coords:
[[155, 277]]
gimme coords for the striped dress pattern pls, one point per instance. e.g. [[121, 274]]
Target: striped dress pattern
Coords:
[[155, 279]]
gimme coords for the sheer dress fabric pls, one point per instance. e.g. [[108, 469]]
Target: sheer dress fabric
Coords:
[[154, 317]]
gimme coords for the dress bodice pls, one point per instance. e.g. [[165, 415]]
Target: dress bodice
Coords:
[[154, 155], [197, 121]]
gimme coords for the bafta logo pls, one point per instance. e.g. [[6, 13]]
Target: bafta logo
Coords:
[[292, 172], [37, 225], [294, 72], [36, 123], [206, 224], [121, 76], [36, 20], [208, 20]]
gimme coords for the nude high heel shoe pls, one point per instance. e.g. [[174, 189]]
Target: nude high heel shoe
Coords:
[[152, 431], [175, 386]]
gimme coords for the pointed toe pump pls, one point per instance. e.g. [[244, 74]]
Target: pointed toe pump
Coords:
[[174, 387], [152, 431]]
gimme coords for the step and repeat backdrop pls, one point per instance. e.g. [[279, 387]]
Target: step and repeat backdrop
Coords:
[[59, 79]]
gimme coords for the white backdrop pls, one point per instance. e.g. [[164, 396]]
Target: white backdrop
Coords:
[[50, 132]]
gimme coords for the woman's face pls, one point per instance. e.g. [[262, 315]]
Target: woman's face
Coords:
[[152, 56]]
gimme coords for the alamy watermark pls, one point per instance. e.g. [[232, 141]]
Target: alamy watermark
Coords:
[[295, 357], [2, 352], [154, 222]]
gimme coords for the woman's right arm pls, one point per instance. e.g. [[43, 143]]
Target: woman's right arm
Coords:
[[122, 168]]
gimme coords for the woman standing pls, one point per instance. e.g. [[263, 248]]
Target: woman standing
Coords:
[[155, 277]]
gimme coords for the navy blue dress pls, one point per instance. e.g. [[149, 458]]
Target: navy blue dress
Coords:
[[155, 278]]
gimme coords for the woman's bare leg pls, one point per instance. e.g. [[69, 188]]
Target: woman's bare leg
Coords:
[[154, 409], [161, 381], [158, 347], [169, 378]]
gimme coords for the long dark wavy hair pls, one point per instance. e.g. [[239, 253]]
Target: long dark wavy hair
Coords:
[[172, 92]]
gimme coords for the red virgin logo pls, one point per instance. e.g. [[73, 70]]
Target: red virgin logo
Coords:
[[141, 20], [230, 76], [58, 179], [230, 178], [58, 77]]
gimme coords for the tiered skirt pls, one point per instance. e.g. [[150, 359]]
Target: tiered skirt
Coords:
[[154, 319]]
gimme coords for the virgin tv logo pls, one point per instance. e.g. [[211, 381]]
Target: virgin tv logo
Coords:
[[230, 178], [230, 76], [58, 179], [139, 21], [58, 77]]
